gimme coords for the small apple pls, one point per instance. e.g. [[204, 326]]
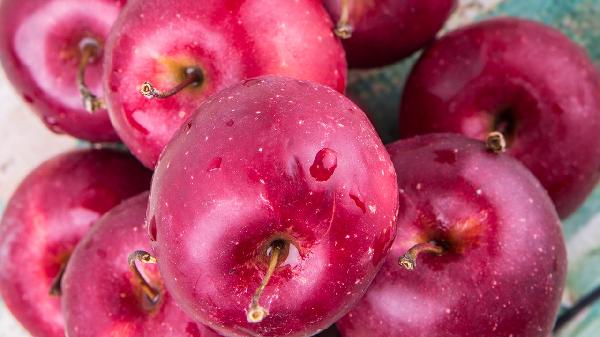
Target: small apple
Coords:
[[272, 209], [376, 33], [104, 296], [524, 79], [165, 57], [484, 242], [46, 217], [52, 53]]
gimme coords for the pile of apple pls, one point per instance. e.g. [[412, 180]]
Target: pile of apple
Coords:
[[274, 209]]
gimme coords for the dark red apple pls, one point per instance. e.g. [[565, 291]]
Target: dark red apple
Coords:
[[524, 79], [46, 217], [42, 46], [102, 296], [279, 181], [381, 32], [483, 238], [207, 45]]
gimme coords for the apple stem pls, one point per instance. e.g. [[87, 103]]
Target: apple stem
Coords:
[[409, 259], [572, 312], [495, 142], [256, 313], [89, 50], [343, 28], [139, 255], [55, 287], [193, 76]]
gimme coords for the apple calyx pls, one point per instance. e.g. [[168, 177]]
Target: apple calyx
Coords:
[[151, 293], [495, 142], [256, 313], [409, 259], [343, 28], [193, 76], [55, 287], [90, 49]]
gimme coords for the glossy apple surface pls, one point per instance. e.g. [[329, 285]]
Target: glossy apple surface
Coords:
[[156, 41], [524, 79], [503, 265], [40, 49], [45, 218], [386, 31], [273, 159], [103, 297]]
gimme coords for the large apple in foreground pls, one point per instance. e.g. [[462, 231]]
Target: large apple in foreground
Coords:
[[483, 238], [200, 47], [272, 209], [42, 46], [521, 78], [46, 217], [380, 32], [102, 296]]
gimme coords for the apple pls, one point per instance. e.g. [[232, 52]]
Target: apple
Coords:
[[45, 218], [272, 209], [484, 242], [376, 33], [524, 79], [164, 57], [103, 296], [52, 53]]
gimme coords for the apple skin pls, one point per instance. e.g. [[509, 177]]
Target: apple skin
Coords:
[[528, 74], [40, 52], [504, 268], [273, 158], [45, 218], [156, 40], [102, 297], [386, 31]]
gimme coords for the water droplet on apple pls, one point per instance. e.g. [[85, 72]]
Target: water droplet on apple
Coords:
[[229, 123], [152, 229], [324, 165], [214, 164], [358, 199]]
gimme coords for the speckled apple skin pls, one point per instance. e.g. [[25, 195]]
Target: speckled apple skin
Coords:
[[102, 297], [238, 176], [47, 216], [386, 31], [546, 80], [228, 40], [40, 52], [503, 272]]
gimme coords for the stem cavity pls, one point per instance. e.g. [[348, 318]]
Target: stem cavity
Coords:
[[90, 49], [256, 313], [55, 287], [152, 294], [343, 28], [409, 259], [193, 76], [495, 142]]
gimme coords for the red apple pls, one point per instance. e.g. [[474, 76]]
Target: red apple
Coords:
[[524, 79], [43, 44], [208, 45], [102, 296], [46, 217], [279, 182], [381, 32], [492, 259]]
